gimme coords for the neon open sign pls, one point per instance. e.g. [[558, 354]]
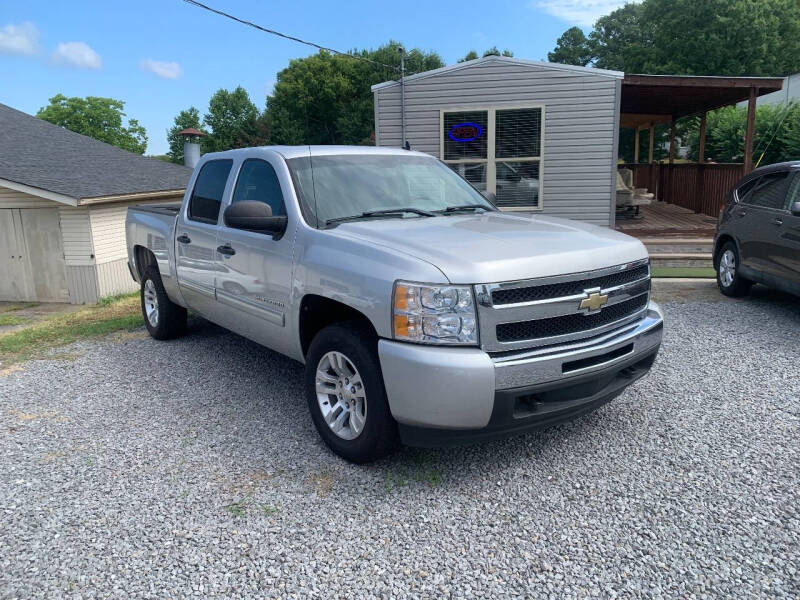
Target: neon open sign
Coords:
[[465, 132]]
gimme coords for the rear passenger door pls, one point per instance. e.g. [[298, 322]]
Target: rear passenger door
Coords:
[[758, 228], [255, 270], [787, 242], [196, 237]]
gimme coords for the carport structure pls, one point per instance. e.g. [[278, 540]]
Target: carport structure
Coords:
[[649, 100]]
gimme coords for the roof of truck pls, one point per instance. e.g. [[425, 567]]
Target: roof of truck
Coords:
[[322, 150]]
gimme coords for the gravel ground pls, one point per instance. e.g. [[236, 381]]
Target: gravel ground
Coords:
[[136, 468]]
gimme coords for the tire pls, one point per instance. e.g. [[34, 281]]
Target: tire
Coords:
[[729, 281], [343, 359], [163, 318]]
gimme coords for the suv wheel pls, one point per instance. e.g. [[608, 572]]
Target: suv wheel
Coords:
[[345, 393], [730, 282], [163, 318]]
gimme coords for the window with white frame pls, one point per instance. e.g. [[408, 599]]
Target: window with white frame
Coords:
[[498, 150]]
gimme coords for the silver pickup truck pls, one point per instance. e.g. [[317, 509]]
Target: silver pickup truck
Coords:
[[422, 313]]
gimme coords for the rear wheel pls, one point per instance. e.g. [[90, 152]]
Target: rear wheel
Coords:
[[729, 280], [163, 318], [345, 393]]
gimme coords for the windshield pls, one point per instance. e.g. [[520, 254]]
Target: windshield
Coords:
[[334, 187]]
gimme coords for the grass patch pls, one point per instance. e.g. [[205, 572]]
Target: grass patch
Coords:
[[696, 272], [17, 306], [116, 314], [7, 320]]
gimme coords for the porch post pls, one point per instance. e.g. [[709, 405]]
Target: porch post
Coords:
[[701, 154], [748, 138], [700, 192], [636, 145], [672, 141], [652, 141]]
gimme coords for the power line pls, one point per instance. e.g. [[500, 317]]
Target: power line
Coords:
[[285, 36]]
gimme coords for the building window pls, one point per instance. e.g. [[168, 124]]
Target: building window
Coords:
[[498, 150]]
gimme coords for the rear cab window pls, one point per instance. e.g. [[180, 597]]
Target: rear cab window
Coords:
[[209, 188]]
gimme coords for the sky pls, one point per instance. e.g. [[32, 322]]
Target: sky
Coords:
[[162, 56]]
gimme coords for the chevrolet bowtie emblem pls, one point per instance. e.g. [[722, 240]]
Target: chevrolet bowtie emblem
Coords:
[[594, 302]]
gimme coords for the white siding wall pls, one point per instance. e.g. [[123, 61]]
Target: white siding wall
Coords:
[[581, 121], [108, 240], [14, 199]]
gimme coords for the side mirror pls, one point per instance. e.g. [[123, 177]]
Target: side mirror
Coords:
[[252, 215], [490, 196], [795, 209]]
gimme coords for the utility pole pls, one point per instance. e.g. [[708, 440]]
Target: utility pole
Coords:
[[402, 52]]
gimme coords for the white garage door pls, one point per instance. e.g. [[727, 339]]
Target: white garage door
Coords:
[[32, 264]]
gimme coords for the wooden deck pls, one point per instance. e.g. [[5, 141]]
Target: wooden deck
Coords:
[[662, 220]]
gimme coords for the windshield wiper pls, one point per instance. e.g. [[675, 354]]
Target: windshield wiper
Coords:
[[389, 212], [464, 207]]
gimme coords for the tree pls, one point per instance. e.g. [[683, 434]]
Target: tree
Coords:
[[622, 40], [100, 118], [326, 98], [185, 119], [493, 51], [232, 119], [572, 48], [471, 55], [776, 135]]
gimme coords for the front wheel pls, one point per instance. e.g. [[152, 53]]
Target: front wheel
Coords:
[[346, 396], [163, 318], [729, 280]]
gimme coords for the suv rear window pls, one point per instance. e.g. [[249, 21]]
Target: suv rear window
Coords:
[[742, 192], [208, 190]]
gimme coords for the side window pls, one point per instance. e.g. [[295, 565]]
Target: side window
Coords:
[[742, 192], [258, 181], [208, 190], [794, 192], [770, 191]]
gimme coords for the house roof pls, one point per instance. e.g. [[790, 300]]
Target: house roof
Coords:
[[503, 59], [52, 162]]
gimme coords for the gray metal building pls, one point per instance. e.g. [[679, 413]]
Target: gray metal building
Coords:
[[541, 136]]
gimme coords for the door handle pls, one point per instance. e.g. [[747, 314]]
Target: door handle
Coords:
[[777, 221], [226, 250], [742, 213], [184, 239]]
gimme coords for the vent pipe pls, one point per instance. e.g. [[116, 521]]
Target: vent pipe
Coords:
[[191, 146]]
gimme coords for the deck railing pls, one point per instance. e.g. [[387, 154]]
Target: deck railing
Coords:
[[698, 187]]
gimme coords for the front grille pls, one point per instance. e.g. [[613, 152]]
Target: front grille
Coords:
[[568, 288], [566, 324]]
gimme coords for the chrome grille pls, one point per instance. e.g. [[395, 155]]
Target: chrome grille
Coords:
[[554, 310], [501, 297], [566, 324]]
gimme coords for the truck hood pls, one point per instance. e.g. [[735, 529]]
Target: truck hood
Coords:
[[495, 247]]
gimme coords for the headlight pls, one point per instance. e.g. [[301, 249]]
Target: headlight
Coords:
[[442, 314]]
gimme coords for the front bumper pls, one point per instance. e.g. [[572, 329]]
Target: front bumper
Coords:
[[444, 395]]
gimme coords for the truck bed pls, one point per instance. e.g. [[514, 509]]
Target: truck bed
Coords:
[[170, 210]]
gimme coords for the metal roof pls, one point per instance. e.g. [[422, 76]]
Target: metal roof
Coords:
[[42, 156], [508, 60]]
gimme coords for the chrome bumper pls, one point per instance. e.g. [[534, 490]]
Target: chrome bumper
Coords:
[[455, 388]]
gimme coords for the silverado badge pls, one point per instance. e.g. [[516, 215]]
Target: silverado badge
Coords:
[[593, 302]]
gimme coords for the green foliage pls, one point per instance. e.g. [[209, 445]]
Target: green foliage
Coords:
[[726, 130], [572, 48], [493, 51], [471, 55], [326, 99], [185, 119], [100, 118], [691, 37], [233, 120]]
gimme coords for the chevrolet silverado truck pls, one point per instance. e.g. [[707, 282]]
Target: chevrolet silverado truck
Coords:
[[422, 313]]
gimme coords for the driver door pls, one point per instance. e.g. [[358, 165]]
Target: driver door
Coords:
[[255, 269]]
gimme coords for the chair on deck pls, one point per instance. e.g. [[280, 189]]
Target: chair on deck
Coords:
[[629, 198]]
